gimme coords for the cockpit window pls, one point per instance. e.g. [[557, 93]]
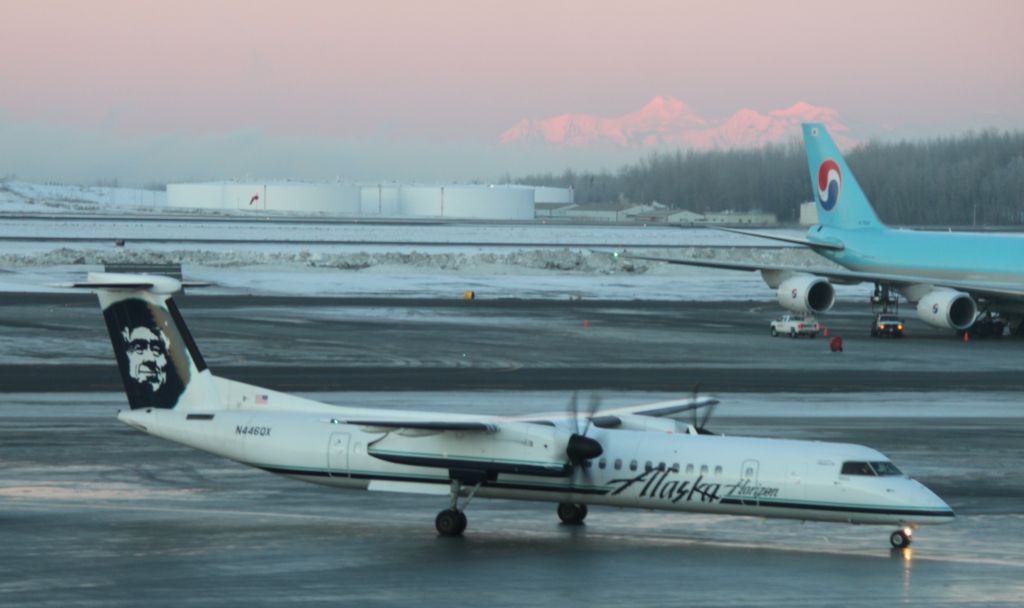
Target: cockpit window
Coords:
[[884, 469], [857, 468], [880, 468]]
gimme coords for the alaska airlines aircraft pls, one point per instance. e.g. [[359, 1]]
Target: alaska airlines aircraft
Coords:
[[957, 280], [633, 456]]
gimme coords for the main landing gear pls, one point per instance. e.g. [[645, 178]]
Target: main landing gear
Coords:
[[452, 521], [900, 539], [572, 514]]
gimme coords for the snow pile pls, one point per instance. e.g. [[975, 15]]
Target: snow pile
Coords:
[[564, 260]]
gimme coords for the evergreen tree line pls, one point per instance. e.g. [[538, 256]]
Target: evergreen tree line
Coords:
[[976, 178]]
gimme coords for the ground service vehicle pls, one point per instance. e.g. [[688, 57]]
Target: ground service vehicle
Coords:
[[887, 324], [795, 325]]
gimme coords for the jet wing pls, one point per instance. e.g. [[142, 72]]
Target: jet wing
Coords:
[[995, 291], [788, 239], [839, 275]]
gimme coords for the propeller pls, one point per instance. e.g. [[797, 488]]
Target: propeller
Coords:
[[581, 448], [705, 416]]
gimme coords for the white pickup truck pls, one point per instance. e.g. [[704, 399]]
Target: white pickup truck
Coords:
[[795, 325]]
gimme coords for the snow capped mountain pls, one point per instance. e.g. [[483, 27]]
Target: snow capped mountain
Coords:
[[668, 121]]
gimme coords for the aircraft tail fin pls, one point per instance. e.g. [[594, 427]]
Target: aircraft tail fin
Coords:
[[160, 364], [838, 197]]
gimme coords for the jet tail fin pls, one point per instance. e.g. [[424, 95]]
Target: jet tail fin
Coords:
[[838, 197], [160, 364]]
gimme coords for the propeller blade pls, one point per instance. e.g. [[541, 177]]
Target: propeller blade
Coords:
[[708, 411], [693, 412], [581, 448], [592, 406], [574, 410]]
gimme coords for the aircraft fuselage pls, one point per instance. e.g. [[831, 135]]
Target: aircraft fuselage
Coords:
[[638, 469]]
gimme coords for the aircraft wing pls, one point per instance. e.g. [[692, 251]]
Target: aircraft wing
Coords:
[[788, 239], [658, 409], [989, 290], [607, 416], [839, 275], [427, 425]]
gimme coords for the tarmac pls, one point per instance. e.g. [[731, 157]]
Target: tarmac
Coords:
[[96, 514]]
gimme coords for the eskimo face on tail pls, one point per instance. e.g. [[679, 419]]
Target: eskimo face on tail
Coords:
[[153, 364], [147, 355], [830, 181]]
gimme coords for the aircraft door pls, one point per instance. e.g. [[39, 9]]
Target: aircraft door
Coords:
[[337, 455], [749, 471]]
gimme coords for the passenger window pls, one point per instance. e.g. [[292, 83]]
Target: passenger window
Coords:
[[718, 470], [703, 469], [602, 463], [648, 466], [632, 465], [857, 468], [689, 468], [661, 466], [675, 467], [618, 464]]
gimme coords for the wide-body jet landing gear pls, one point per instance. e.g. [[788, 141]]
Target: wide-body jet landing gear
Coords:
[[452, 521], [900, 539], [571, 513]]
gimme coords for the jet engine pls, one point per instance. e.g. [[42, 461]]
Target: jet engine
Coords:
[[947, 308], [806, 293]]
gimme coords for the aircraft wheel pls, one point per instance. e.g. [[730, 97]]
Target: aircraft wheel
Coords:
[[900, 539], [572, 514], [792, 333], [450, 522], [774, 333]]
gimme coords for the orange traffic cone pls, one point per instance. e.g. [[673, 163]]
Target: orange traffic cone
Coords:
[[967, 337], [825, 333]]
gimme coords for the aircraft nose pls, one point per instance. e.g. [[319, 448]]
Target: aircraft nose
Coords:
[[933, 507]]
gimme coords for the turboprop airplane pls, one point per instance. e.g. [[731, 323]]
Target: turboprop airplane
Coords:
[[634, 456], [957, 280]]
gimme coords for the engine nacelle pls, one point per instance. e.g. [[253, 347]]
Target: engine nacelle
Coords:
[[947, 308], [806, 293]]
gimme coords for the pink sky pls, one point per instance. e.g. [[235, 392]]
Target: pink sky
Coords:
[[444, 71]]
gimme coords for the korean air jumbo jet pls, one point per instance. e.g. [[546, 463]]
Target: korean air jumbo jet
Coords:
[[957, 280], [637, 456]]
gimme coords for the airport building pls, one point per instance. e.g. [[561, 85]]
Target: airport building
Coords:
[[299, 197], [668, 216], [385, 199], [756, 218], [808, 214]]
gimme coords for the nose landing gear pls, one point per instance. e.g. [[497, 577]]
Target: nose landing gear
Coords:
[[901, 538], [450, 522], [572, 514]]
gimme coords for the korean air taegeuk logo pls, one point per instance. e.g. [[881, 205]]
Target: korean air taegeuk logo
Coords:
[[830, 181]]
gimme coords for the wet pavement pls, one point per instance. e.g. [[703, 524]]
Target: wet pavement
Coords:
[[96, 514]]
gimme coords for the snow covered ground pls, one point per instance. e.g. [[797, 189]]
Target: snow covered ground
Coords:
[[279, 256]]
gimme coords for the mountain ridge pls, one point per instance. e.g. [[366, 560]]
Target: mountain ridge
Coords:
[[667, 121]]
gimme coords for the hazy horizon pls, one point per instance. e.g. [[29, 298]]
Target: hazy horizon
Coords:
[[146, 92]]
